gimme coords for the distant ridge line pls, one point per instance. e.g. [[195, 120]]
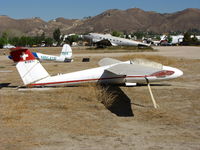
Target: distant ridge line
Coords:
[[130, 20]]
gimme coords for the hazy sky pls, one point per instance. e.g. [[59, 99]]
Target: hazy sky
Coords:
[[50, 9]]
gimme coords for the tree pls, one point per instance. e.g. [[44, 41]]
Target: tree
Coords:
[[157, 37], [57, 35], [5, 37], [14, 41], [2, 42], [139, 34], [169, 39], [117, 34], [48, 41], [188, 40], [71, 39]]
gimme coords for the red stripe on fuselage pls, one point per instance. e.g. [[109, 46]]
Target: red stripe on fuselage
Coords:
[[77, 81], [73, 81], [99, 79]]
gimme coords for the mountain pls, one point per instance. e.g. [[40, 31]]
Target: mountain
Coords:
[[27, 26], [34, 26], [135, 19], [129, 20]]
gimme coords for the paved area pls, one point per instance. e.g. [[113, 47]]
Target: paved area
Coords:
[[188, 52]]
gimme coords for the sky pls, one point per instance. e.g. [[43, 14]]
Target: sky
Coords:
[[77, 9]]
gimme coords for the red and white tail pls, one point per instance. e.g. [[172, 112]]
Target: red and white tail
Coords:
[[28, 67]]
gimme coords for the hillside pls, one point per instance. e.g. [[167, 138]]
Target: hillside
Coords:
[[129, 20], [135, 19]]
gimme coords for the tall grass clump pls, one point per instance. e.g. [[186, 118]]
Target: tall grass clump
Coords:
[[101, 94]]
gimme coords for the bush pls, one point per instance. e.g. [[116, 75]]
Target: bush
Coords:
[[190, 41]]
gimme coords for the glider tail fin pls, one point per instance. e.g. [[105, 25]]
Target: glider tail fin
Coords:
[[66, 51], [29, 68]]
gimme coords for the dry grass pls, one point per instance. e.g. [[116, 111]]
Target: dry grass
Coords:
[[168, 61], [99, 93], [74, 117], [105, 97], [79, 50], [156, 58], [156, 115], [14, 111], [72, 111]]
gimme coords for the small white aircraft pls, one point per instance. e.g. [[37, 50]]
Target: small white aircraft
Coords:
[[65, 55], [8, 46], [114, 41], [112, 71]]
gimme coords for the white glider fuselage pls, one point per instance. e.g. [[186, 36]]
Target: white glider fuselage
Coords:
[[102, 76], [111, 72], [89, 75]]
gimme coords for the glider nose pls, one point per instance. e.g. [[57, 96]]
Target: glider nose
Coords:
[[177, 72]]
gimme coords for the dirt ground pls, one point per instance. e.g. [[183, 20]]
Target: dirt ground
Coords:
[[74, 118]]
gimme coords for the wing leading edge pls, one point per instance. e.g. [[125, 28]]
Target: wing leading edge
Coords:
[[108, 61]]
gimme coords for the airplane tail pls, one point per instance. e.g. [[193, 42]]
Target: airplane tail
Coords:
[[66, 51], [29, 68]]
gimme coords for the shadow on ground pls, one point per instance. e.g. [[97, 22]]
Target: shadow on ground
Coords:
[[2, 85], [122, 104]]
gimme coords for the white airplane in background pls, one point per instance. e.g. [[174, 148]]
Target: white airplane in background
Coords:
[[65, 55], [8, 46], [114, 41], [177, 39], [112, 71]]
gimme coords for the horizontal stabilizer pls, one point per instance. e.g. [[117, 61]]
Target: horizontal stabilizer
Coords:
[[108, 61], [132, 70]]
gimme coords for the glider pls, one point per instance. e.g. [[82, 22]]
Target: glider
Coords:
[[111, 71]]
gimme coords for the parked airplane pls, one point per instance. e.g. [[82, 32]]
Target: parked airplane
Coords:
[[65, 56], [176, 39], [8, 46], [113, 41], [112, 71], [156, 42]]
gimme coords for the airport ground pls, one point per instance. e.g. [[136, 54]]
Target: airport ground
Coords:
[[74, 117]]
